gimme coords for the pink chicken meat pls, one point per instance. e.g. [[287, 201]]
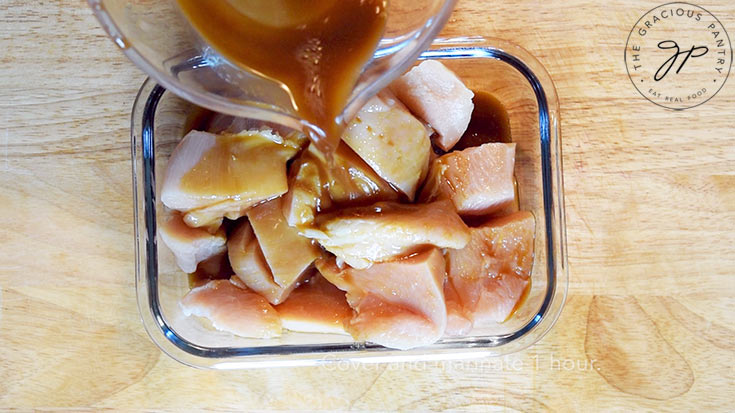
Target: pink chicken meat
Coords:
[[478, 180], [191, 246], [436, 95], [250, 266], [233, 309], [395, 144], [398, 304], [316, 306], [491, 274]]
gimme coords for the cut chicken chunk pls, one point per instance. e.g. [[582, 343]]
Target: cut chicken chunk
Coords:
[[307, 193], [316, 184], [223, 175], [316, 306], [237, 282], [436, 95], [352, 182], [498, 298], [458, 323], [213, 268], [395, 144], [233, 309], [509, 207], [478, 180], [398, 304], [191, 246], [287, 253], [249, 264], [213, 214], [492, 273], [391, 325], [364, 235]]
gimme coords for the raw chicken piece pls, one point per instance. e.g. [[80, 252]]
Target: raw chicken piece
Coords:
[[395, 144], [386, 230], [211, 176], [237, 282], [492, 273], [498, 298], [436, 95], [398, 304], [478, 180], [509, 207], [287, 253], [458, 324], [248, 263], [316, 306], [190, 246], [315, 184], [213, 214], [213, 268], [391, 325], [306, 194], [353, 182], [232, 309]]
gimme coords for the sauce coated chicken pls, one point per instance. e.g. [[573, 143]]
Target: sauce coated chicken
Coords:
[[342, 246]]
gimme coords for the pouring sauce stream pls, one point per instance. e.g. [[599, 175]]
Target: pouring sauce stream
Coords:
[[315, 49]]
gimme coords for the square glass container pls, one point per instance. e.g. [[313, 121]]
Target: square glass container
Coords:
[[160, 119]]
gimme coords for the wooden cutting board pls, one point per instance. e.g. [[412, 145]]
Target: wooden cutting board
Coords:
[[650, 198]]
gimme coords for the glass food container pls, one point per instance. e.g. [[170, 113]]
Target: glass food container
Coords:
[[159, 121]]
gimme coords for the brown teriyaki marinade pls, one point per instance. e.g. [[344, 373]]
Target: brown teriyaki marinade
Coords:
[[316, 49], [489, 122]]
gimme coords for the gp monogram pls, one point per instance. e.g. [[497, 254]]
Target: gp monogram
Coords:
[[678, 55]]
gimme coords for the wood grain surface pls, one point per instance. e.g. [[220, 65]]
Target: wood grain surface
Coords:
[[650, 197]]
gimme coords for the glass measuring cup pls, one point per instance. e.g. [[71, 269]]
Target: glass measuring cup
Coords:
[[159, 40]]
